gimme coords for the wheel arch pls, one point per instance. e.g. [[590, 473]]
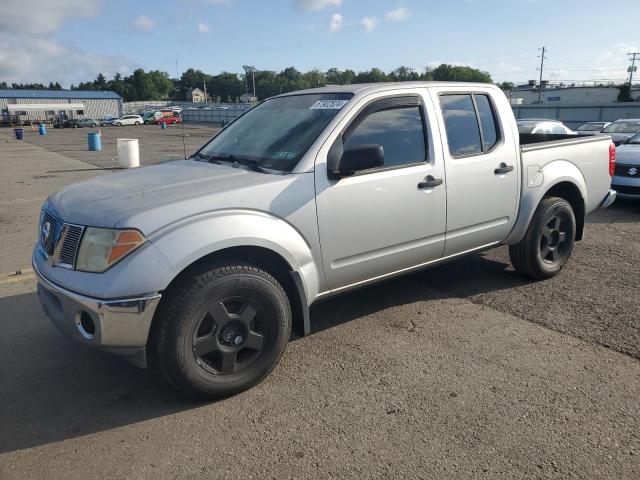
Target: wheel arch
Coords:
[[559, 178], [266, 259]]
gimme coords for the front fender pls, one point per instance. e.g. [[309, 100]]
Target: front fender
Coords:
[[537, 182], [191, 239]]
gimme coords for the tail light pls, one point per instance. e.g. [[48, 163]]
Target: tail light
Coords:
[[612, 159]]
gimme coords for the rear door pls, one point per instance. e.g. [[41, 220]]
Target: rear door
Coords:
[[386, 219], [482, 168]]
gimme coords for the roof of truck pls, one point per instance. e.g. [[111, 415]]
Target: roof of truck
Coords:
[[383, 86]]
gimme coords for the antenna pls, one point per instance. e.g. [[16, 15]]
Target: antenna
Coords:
[[184, 145]]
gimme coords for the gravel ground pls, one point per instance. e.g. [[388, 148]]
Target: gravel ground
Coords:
[[596, 298]]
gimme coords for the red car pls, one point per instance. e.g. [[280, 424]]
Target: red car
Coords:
[[169, 120]]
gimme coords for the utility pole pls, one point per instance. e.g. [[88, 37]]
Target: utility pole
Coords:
[[632, 69], [253, 79], [204, 84], [544, 51]]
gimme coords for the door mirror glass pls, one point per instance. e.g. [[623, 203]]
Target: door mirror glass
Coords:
[[362, 157]]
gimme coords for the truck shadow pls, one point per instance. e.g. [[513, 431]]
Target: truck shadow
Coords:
[[55, 389]]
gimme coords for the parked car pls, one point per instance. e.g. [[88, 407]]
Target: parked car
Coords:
[[622, 130], [107, 121], [627, 175], [77, 123], [204, 265], [169, 120], [537, 126], [149, 118], [128, 120], [591, 128]]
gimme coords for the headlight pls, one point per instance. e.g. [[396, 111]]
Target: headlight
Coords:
[[102, 247]]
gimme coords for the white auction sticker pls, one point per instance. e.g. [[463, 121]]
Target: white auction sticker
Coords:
[[328, 105]]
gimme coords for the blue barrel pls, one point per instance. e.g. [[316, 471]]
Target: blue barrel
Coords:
[[18, 133], [95, 143], [163, 125], [42, 128]]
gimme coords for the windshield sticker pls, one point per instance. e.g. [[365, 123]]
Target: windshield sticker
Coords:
[[284, 155], [328, 105]]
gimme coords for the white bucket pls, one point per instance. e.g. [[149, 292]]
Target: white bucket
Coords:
[[128, 152]]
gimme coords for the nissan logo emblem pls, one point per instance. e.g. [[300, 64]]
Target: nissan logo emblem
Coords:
[[46, 230]]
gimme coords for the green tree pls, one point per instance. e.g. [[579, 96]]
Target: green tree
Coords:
[[624, 94], [454, 73]]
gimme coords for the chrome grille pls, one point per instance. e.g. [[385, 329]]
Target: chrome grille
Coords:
[[69, 244], [62, 242]]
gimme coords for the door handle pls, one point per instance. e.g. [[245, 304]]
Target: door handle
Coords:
[[430, 182], [504, 168]]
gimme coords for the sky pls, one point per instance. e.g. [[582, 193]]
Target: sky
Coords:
[[73, 40]]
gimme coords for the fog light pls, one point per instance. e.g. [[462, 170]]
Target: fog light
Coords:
[[85, 324]]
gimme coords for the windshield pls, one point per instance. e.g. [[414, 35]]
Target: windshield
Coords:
[[591, 127], [277, 133], [623, 127], [635, 140], [526, 127]]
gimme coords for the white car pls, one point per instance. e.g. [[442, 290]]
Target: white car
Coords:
[[128, 120], [626, 180], [537, 126]]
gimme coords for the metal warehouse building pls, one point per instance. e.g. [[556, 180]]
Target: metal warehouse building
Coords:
[[23, 106]]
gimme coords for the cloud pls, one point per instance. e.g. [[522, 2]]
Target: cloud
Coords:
[[397, 15], [336, 22], [203, 27], [43, 16], [315, 5], [369, 23], [143, 23], [42, 60]]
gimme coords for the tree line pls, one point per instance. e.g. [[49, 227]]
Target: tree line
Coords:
[[228, 87]]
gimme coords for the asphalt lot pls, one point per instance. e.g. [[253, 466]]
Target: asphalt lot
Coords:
[[156, 145], [463, 371]]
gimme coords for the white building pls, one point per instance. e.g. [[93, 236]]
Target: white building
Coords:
[[568, 95], [23, 106]]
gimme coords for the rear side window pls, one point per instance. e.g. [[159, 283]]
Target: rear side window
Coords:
[[488, 125], [399, 130], [471, 124]]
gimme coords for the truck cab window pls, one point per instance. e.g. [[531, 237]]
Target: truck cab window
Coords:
[[461, 123], [487, 122], [399, 130]]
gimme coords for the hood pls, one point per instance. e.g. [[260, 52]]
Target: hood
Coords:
[[150, 197], [628, 154]]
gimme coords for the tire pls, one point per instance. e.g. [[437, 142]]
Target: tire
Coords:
[[548, 242], [220, 331], [137, 123], [118, 124]]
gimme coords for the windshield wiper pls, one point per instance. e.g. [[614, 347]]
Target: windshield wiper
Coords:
[[201, 155], [248, 162]]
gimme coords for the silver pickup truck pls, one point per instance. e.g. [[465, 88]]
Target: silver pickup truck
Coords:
[[200, 268]]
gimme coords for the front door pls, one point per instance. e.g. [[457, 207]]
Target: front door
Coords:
[[389, 218]]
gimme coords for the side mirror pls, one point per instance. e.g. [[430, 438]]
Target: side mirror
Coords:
[[346, 163]]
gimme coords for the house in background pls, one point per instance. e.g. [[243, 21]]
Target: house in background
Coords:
[[198, 96]]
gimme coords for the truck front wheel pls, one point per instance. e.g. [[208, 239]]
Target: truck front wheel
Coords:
[[549, 240], [221, 330]]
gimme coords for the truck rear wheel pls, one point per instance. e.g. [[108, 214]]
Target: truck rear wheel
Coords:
[[549, 240], [221, 331]]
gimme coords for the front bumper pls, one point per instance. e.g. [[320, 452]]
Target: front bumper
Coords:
[[119, 326], [626, 187]]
